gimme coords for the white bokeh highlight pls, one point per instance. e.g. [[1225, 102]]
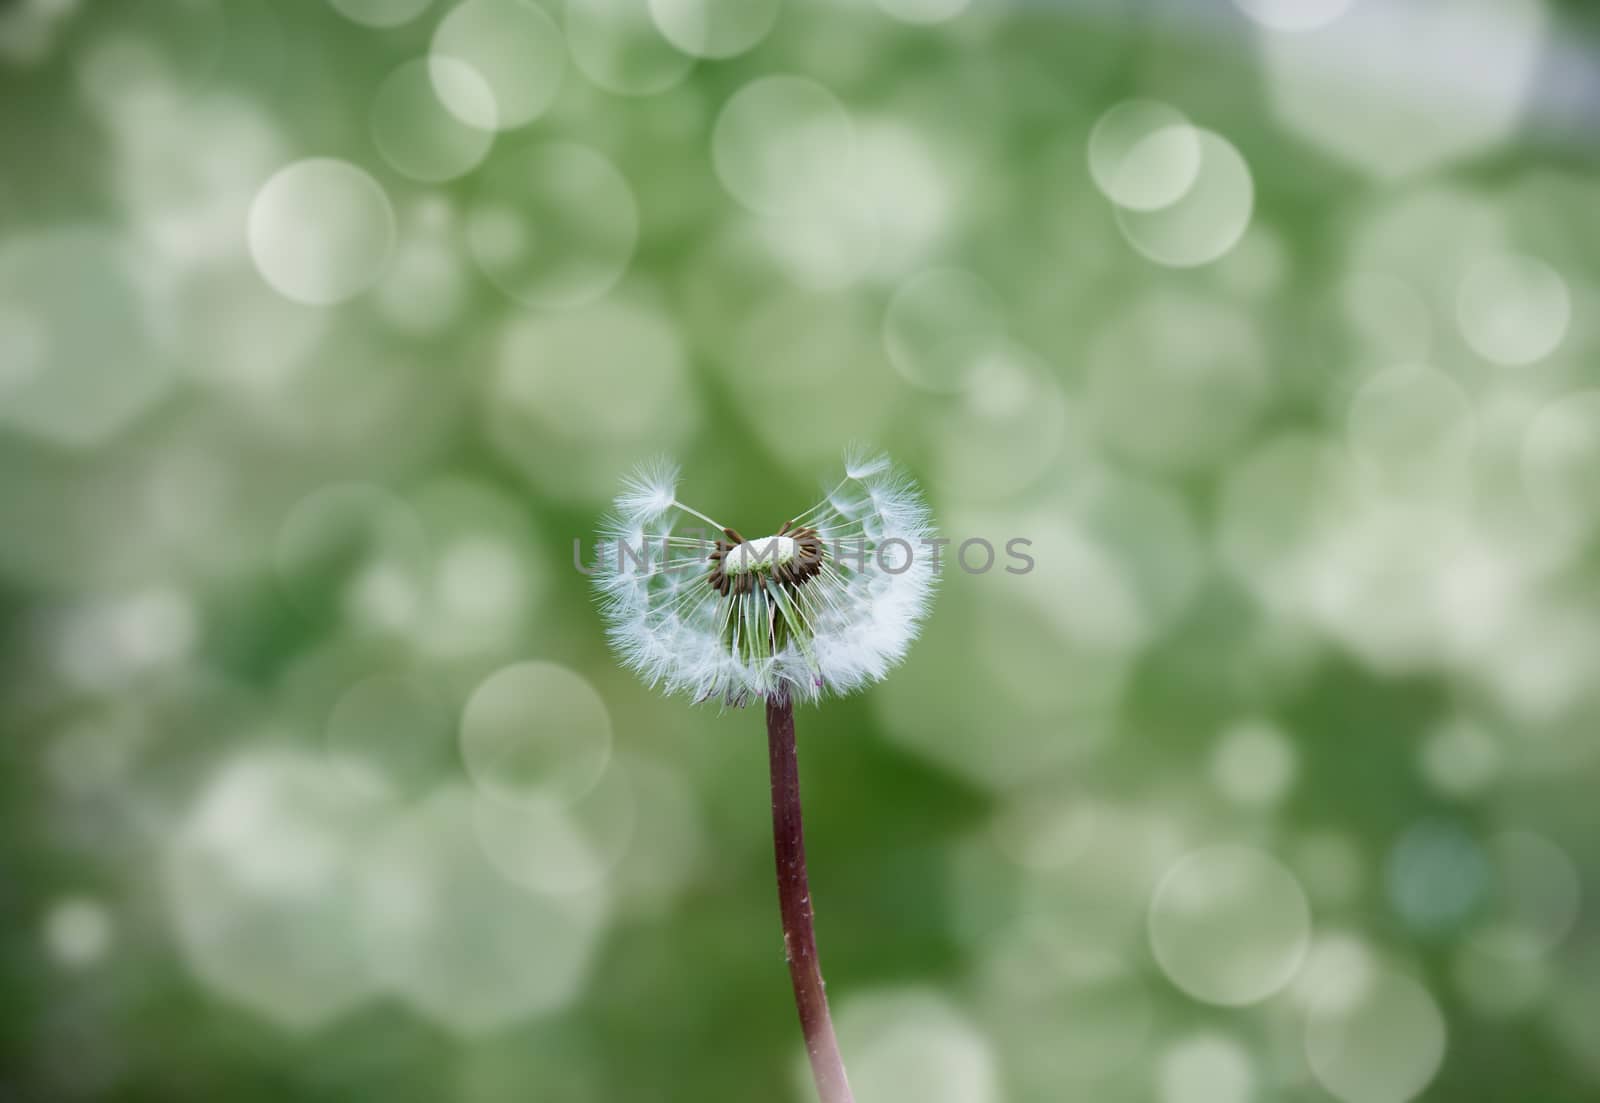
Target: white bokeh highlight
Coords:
[[1230, 925], [515, 49], [78, 932], [1396, 89], [715, 28], [535, 730], [1206, 1068], [1513, 310], [321, 231], [1294, 15], [417, 134], [1383, 1045], [1254, 764], [261, 882], [456, 940], [617, 45], [780, 142], [914, 1046], [1208, 219], [1144, 155]]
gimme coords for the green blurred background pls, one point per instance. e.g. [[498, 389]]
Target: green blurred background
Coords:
[[327, 326]]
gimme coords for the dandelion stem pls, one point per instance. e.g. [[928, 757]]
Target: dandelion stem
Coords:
[[794, 902]]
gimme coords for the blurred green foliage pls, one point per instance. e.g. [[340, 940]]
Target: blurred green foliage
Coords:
[[1272, 782]]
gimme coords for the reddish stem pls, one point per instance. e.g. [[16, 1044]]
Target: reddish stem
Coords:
[[794, 902]]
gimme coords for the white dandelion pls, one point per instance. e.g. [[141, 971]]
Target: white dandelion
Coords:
[[827, 604]]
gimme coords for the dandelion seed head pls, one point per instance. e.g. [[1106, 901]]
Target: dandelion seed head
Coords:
[[804, 612]]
